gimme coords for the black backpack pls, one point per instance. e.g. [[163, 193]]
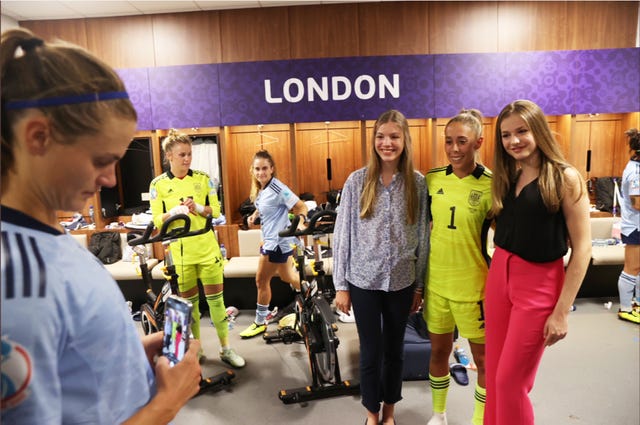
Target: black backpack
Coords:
[[604, 193], [106, 246]]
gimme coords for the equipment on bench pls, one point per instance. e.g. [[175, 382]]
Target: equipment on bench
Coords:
[[152, 312], [315, 322]]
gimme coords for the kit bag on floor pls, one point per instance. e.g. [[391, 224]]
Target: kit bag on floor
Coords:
[[417, 349], [106, 246], [605, 187]]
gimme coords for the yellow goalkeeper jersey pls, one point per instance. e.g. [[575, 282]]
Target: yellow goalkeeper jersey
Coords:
[[167, 191], [458, 260]]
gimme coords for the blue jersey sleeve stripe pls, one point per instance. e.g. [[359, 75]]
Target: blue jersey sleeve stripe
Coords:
[[26, 271], [42, 273], [8, 280]]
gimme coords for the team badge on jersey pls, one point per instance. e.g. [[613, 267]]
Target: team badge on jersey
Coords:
[[153, 194], [16, 373], [474, 198]]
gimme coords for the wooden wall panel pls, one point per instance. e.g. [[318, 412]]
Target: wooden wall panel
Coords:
[[70, 30], [410, 35], [563, 134], [580, 146], [603, 135], [602, 25], [323, 31], [122, 42], [241, 143], [420, 130], [533, 25], [463, 27], [315, 142], [255, 34], [187, 38]]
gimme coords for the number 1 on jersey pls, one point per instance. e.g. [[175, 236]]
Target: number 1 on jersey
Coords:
[[453, 217]]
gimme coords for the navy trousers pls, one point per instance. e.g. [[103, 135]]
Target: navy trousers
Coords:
[[381, 319]]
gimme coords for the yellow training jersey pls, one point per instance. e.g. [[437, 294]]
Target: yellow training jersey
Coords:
[[167, 191], [457, 257]]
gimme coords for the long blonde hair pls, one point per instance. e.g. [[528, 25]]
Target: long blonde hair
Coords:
[[405, 167], [551, 181], [255, 184]]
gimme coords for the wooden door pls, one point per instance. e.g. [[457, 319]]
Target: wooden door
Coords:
[[326, 153], [601, 135], [239, 146]]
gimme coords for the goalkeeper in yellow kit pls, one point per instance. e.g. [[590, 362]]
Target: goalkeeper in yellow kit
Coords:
[[182, 190]]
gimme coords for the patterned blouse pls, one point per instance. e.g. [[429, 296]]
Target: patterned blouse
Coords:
[[381, 252]]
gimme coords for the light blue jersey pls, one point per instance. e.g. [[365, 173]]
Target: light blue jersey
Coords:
[[630, 186], [273, 204], [70, 352]]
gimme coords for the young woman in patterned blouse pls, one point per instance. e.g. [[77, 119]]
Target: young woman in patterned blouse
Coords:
[[380, 253]]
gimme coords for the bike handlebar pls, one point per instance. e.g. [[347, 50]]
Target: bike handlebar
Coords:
[[316, 226], [175, 233]]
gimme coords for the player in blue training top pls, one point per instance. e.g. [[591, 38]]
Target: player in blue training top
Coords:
[[629, 280], [70, 352], [273, 201]]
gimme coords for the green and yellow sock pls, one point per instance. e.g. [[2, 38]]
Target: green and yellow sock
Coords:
[[439, 391], [195, 316], [218, 317], [480, 397]]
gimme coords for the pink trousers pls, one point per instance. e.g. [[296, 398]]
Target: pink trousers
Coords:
[[520, 296]]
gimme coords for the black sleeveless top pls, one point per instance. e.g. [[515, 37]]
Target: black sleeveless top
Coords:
[[525, 227]]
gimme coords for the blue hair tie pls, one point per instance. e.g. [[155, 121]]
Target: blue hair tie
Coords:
[[65, 100]]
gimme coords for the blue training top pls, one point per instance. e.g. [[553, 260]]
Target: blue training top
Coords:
[[273, 204], [70, 352], [630, 186]]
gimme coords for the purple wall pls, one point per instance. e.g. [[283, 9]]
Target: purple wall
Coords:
[[358, 88]]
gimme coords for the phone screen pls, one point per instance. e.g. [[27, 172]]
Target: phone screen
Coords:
[[177, 328]]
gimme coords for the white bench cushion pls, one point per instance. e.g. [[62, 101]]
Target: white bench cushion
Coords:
[[249, 242]]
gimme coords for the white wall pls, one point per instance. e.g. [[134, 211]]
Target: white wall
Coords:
[[8, 23]]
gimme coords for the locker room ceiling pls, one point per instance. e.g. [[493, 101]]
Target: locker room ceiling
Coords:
[[27, 10]]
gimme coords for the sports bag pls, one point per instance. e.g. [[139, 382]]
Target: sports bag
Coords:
[[605, 189], [106, 246]]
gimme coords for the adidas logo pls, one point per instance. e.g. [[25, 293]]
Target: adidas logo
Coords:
[[440, 192]]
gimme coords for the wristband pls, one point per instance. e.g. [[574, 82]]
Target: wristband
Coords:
[[199, 208]]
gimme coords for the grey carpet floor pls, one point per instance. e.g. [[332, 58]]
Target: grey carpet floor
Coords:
[[590, 378]]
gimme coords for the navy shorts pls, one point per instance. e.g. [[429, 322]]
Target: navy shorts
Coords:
[[276, 256], [632, 239]]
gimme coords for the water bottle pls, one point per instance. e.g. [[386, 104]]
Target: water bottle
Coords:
[[91, 215], [231, 312], [460, 356], [223, 251]]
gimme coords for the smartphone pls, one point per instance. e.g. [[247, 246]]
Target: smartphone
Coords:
[[177, 328]]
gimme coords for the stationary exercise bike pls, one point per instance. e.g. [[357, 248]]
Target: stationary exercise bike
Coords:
[[315, 323], [152, 311]]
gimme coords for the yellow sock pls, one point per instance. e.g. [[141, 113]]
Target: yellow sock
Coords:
[[439, 390], [195, 316], [480, 397], [218, 316]]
